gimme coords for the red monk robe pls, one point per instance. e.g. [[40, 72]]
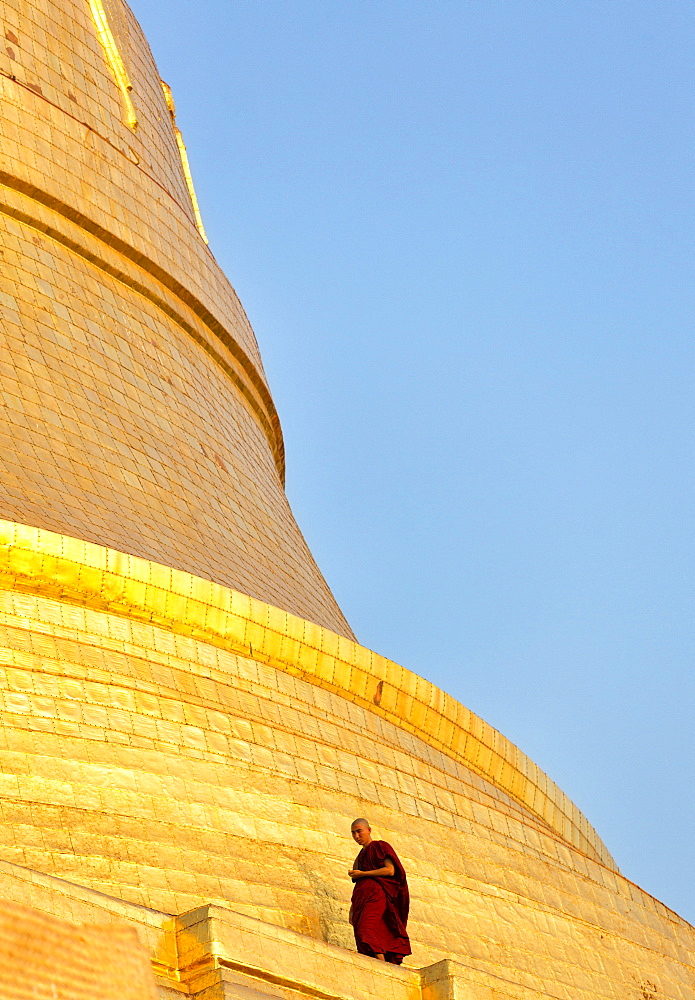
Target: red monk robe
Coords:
[[379, 911]]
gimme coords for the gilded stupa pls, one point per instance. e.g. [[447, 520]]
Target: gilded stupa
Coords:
[[188, 724]]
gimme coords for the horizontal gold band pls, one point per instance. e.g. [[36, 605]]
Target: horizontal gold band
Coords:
[[74, 571], [140, 274]]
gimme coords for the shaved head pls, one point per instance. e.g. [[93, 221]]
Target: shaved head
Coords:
[[361, 832]]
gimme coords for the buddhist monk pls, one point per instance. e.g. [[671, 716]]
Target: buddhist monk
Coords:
[[380, 899]]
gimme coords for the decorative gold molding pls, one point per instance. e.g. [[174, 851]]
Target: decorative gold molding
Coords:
[[144, 276], [169, 98], [114, 59], [67, 569]]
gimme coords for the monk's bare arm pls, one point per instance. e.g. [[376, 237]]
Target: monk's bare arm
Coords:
[[386, 872]]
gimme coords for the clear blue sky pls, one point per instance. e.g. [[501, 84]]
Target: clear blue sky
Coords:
[[463, 233]]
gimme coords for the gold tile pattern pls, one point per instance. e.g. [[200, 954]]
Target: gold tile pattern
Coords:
[[31, 560], [41, 956], [136, 411], [175, 744], [114, 59], [187, 726]]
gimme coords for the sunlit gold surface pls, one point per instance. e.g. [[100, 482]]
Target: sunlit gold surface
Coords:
[[187, 726], [169, 98], [115, 59], [34, 560], [174, 743], [136, 408], [42, 956]]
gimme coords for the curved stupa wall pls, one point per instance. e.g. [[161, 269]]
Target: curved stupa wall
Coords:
[[136, 413], [172, 743], [184, 716]]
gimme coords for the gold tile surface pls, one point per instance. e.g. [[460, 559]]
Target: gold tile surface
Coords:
[[187, 726], [41, 956], [136, 411], [167, 762], [33, 560]]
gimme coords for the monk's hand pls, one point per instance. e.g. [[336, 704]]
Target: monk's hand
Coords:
[[354, 873]]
